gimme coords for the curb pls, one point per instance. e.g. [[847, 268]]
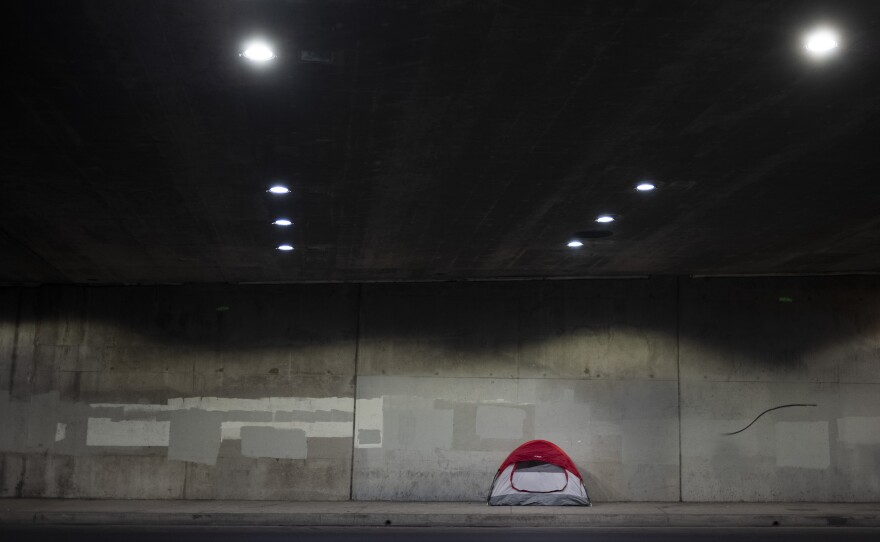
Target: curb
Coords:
[[434, 520]]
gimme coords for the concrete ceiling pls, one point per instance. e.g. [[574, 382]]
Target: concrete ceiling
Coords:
[[436, 140]]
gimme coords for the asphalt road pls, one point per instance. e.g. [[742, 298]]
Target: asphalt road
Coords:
[[28, 533]]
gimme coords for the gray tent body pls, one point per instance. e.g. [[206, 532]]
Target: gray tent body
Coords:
[[537, 483]]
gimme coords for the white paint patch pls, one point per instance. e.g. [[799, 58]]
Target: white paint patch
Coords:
[[232, 430], [858, 430], [226, 404], [60, 431], [106, 432], [134, 408], [369, 416], [500, 422], [804, 445], [266, 404]]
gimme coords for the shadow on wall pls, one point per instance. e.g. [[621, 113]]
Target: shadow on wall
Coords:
[[571, 329], [819, 329]]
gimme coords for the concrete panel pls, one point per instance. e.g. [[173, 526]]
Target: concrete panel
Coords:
[[255, 386], [102, 477], [139, 358], [807, 329], [13, 468], [60, 316], [143, 357], [622, 433], [598, 329], [22, 363], [440, 329], [321, 477], [131, 387], [790, 454], [9, 315]]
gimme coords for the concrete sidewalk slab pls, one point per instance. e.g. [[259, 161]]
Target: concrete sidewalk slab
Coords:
[[446, 514]]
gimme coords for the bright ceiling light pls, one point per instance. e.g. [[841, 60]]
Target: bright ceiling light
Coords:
[[605, 219], [821, 42], [575, 244], [258, 52], [645, 187], [283, 222], [285, 248], [279, 189]]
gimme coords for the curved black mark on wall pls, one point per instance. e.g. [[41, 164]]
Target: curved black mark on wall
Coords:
[[768, 410]]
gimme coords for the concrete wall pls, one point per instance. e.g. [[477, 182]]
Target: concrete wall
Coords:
[[748, 345], [178, 392], [418, 391], [466, 372]]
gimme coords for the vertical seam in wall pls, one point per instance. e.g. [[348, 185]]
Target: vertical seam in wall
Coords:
[[185, 476], [13, 358], [518, 353], [357, 348], [678, 380]]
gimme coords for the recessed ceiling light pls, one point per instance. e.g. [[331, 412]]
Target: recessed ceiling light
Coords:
[[283, 222], [575, 244], [821, 42], [285, 247], [645, 187], [605, 219], [258, 52], [279, 189]]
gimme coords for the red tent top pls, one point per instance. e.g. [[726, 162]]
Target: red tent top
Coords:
[[541, 450]]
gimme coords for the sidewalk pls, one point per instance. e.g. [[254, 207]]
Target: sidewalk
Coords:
[[447, 514]]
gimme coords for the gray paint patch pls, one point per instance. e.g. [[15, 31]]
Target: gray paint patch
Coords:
[[41, 420], [802, 444], [500, 422], [464, 427], [275, 443], [13, 419], [106, 432], [369, 436], [329, 448], [334, 415], [412, 428], [859, 430], [195, 436], [247, 416]]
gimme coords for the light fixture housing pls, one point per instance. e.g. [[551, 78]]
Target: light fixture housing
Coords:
[[604, 219], [285, 248], [574, 243], [258, 51], [283, 222], [645, 186], [279, 189]]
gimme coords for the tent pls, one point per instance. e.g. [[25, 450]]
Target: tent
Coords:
[[538, 472]]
